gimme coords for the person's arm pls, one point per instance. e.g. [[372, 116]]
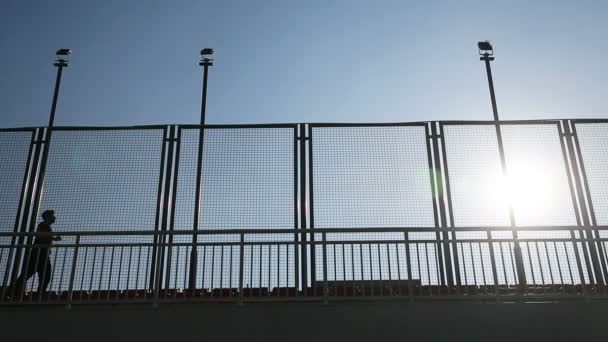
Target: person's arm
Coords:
[[55, 238]]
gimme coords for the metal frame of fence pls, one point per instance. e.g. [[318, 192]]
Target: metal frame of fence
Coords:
[[428, 262]]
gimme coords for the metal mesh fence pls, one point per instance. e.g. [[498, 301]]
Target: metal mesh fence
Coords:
[[248, 182], [14, 147], [102, 180], [362, 176]]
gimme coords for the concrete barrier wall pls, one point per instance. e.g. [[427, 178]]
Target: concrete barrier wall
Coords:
[[377, 321]]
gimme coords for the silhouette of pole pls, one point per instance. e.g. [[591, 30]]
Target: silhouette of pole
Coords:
[[487, 55], [60, 64], [206, 62]]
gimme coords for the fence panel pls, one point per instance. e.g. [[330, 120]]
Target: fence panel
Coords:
[[537, 187], [14, 150], [102, 180], [248, 182], [368, 177]]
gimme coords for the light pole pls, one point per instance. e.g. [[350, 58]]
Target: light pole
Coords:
[[206, 61], [61, 62], [486, 51]]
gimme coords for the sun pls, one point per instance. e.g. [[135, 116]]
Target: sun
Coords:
[[528, 189]]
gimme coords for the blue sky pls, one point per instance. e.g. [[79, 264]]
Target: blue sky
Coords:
[[307, 61]]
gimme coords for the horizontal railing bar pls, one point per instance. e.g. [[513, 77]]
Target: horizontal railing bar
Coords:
[[311, 231], [502, 122], [313, 124], [228, 126], [294, 243]]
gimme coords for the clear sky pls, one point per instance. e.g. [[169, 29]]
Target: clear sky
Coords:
[[135, 62]]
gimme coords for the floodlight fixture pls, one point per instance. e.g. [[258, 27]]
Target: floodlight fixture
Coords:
[[206, 57], [485, 48], [62, 57], [63, 52]]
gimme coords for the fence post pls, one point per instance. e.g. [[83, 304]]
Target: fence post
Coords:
[[73, 273], [34, 159], [157, 277], [325, 285], [241, 266], [440, 211], [410, 290]]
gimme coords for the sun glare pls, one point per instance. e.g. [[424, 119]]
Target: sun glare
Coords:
[[528, 189]]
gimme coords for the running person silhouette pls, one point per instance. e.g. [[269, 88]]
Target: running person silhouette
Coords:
[[37, 258]]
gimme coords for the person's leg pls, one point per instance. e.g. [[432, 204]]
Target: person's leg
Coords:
[[28, 270], [44, 273]]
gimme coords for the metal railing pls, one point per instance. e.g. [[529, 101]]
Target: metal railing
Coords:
[[242, 270], [307, 212]]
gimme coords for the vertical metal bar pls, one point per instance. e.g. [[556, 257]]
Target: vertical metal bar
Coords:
[[177, 144], [230, 267], [297, 245], [73, 272], [93, 268], [540, 264], [439, 213], [311, 206], [241, 262], [504, 266], [568, 263], [408, 265], [222, 266], [159, 205], [59, 65], [450, 210], [532, 272], [111, 271], [122, 249], [164, 251], [544, 243], [212, 267], [325, 284], [251, 265], [483, 268]]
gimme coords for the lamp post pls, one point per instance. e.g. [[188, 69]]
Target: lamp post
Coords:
[[61, 62], [206, 61], [486, 51]]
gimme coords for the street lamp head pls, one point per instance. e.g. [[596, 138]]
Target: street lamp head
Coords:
[[206, 57], [63, 52], [206, 52], [62, 57], [485, 48]]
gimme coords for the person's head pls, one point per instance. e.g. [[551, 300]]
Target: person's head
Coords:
[[48, 216]]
